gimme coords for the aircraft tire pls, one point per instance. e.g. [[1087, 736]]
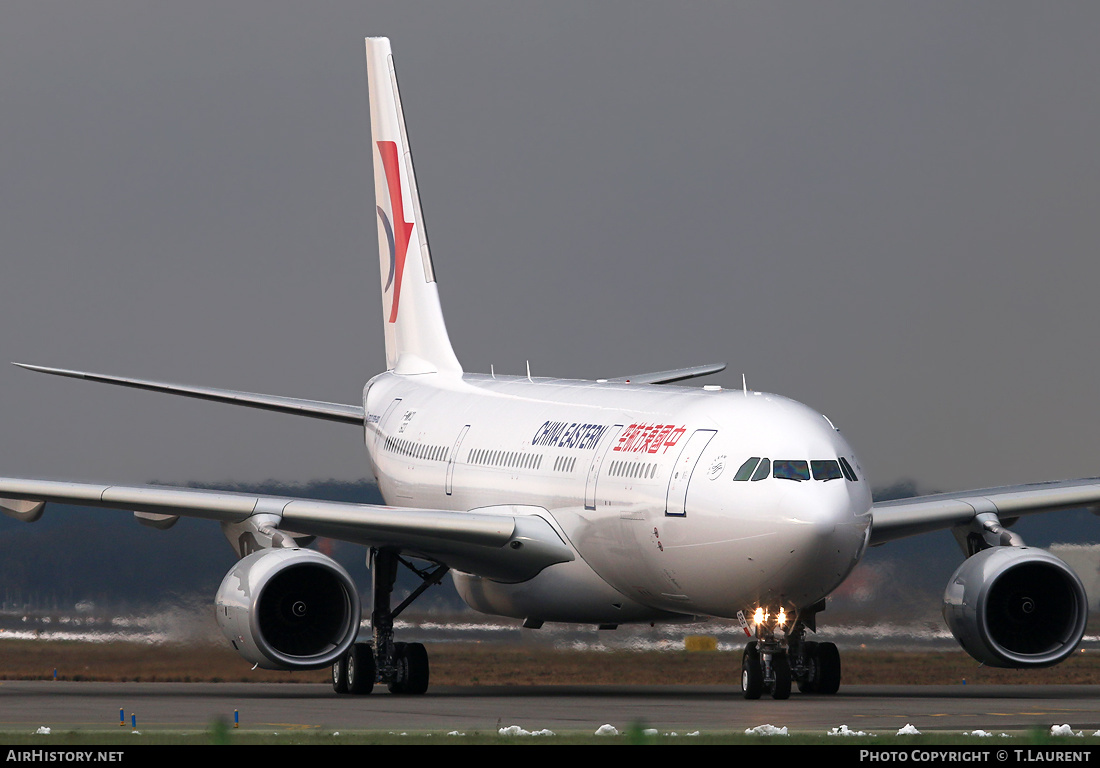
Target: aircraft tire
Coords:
[[413, 660], [360, 669], [752, 674], [340, 674], [781, 669], [828, 665], [809, 680]]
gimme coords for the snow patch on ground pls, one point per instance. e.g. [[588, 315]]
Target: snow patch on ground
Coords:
[[515, 730], [767, 730], [846, 731]]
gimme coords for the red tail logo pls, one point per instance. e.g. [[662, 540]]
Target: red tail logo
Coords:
[[399, 244]]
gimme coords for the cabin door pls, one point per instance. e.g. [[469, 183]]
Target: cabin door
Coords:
[[676, 500]]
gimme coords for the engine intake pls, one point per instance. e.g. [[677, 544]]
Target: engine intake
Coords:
[[288, 609], [1016, 607]]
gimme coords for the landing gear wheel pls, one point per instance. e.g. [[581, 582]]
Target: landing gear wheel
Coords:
[[781, 670], [412, 662], [809, 680], [340, 674], [403, 667], [828, 666], [752, 674], [360, 669]]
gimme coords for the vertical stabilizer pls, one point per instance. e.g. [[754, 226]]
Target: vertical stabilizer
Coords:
[[416, 336]]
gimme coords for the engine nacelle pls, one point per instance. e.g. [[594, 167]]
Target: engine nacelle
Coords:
[[288, 609], [1016, 607]]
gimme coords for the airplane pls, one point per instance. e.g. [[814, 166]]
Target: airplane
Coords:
[[603, 502]]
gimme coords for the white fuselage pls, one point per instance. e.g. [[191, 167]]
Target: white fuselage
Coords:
[[639, 480]]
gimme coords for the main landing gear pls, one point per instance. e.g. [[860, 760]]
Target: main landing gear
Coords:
[[403, 667], [771, 663]]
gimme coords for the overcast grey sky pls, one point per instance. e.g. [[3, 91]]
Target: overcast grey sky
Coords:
[[888, 211]]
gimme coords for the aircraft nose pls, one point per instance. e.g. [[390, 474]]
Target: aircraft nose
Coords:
[[835, 525], [841, 506]]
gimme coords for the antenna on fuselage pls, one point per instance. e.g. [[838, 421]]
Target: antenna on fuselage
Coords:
[[529, 372], [744, 385]]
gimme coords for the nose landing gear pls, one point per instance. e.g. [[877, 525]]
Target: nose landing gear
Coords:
[[765, 667], [779, 656]]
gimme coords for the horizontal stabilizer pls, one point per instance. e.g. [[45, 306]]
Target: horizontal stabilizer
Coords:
[[316, 409], [667, 377]]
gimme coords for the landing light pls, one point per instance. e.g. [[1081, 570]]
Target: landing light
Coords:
[[762, 616]]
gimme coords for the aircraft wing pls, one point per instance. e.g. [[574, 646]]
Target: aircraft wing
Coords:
[[907, 517], [317, 409], [507, 543], [667, 377]]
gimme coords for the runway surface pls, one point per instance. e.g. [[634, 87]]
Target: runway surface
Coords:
[[64, 706]]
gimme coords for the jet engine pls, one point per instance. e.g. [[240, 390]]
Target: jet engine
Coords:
[[288, 609], [1016, 607]]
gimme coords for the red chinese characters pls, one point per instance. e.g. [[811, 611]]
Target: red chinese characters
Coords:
[[649, 438]]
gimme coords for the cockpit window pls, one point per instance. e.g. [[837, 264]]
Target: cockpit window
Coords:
[[763, 470], [826, 469], [791, 469], [756, 468], [847, 469], [745, 472]]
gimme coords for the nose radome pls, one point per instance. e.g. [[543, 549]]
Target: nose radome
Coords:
[[827, 536]]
